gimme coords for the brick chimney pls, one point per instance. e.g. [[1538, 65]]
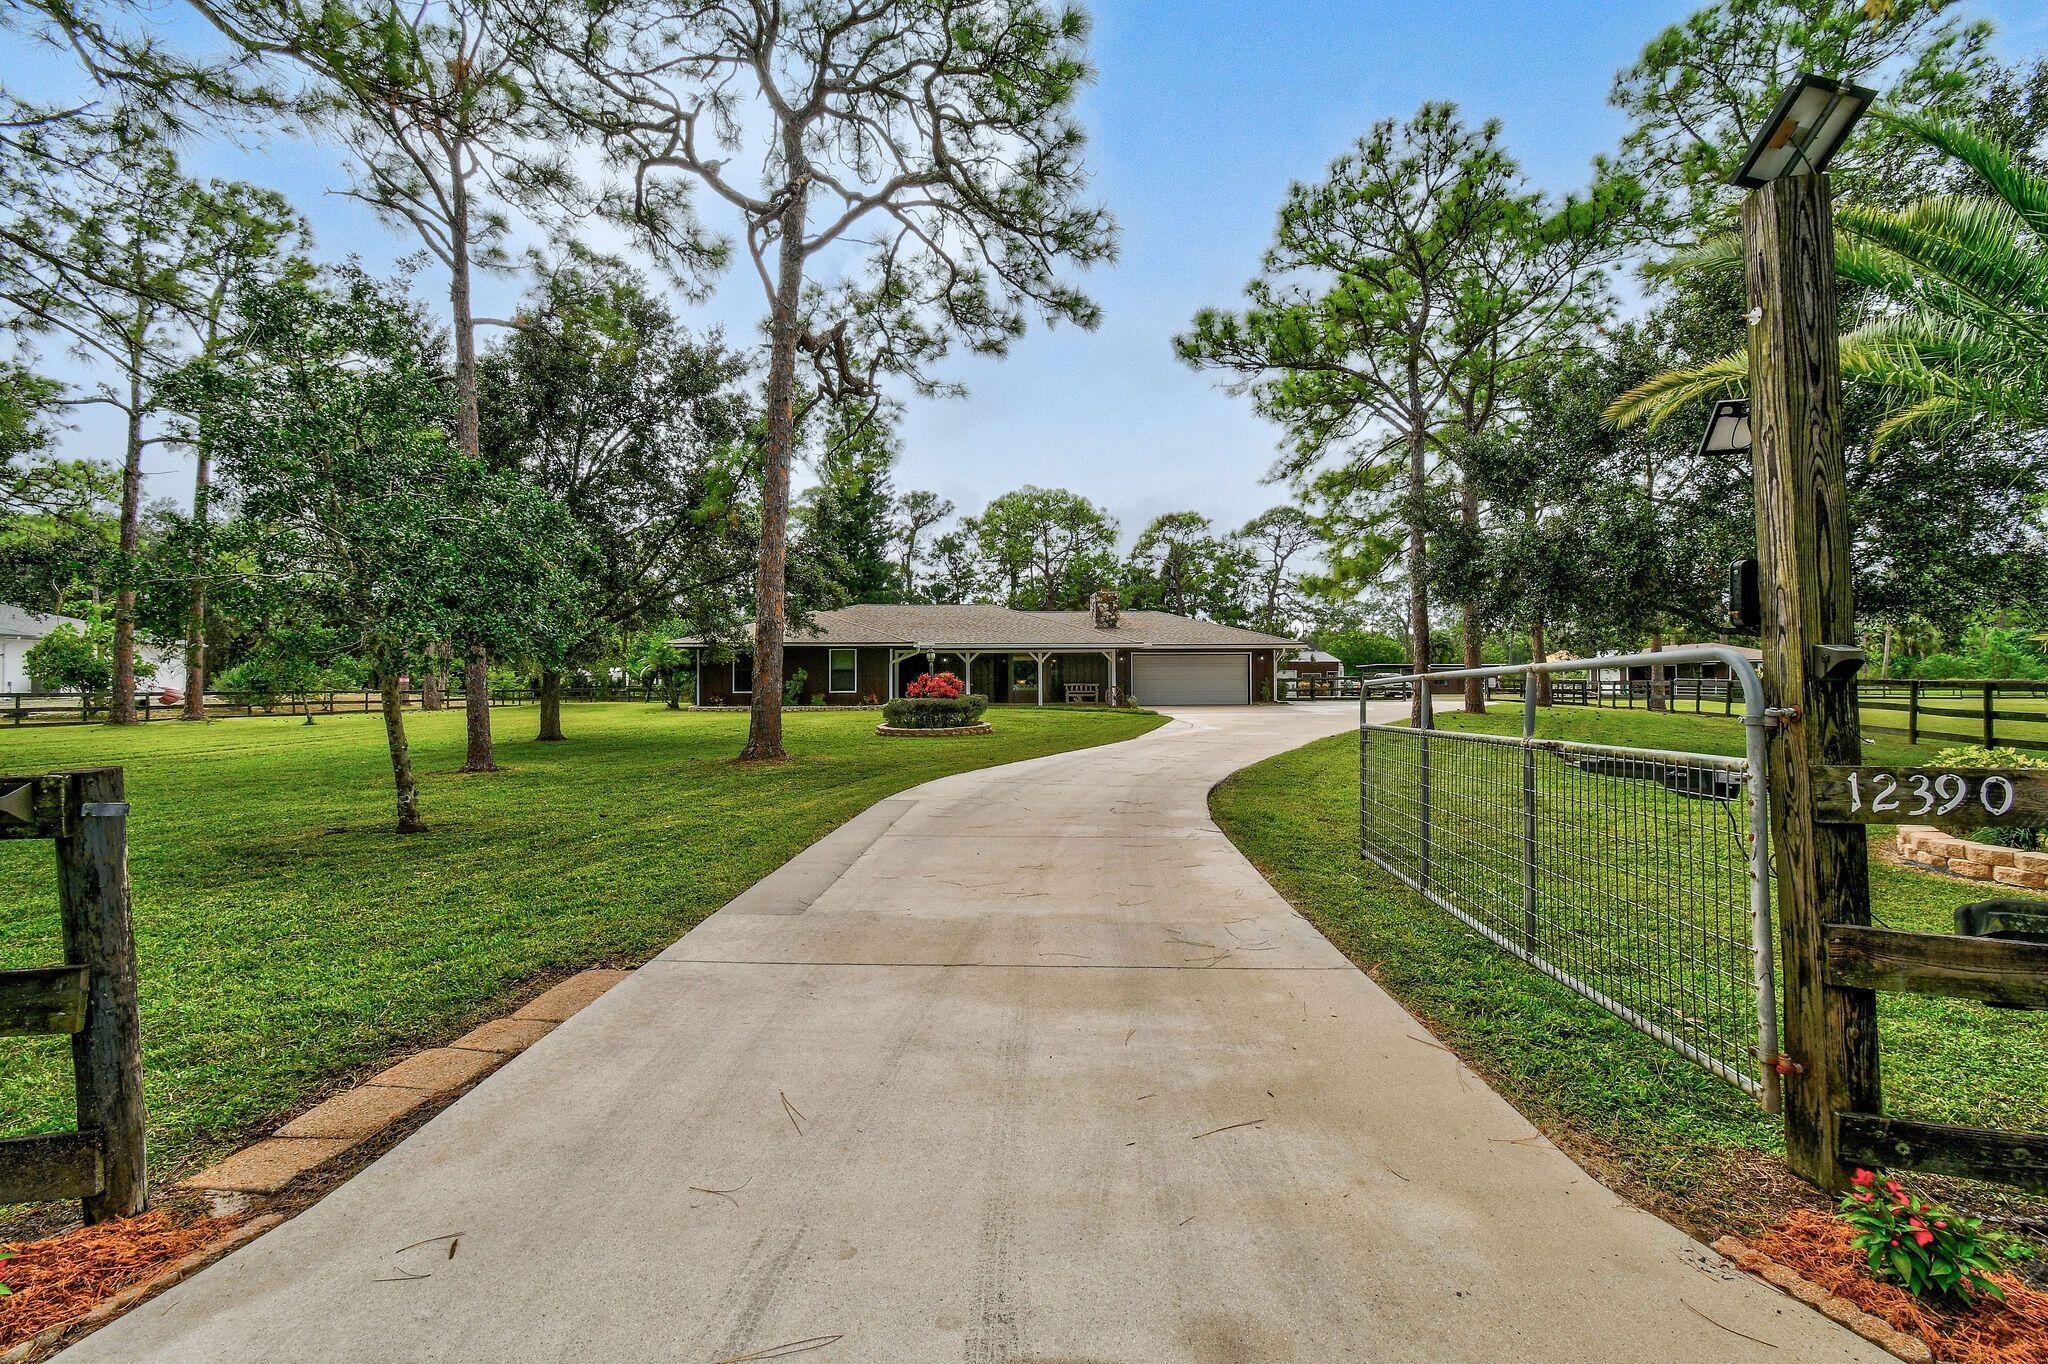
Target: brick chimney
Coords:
[[1103, 608]]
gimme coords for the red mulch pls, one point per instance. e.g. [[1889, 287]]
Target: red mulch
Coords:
[[63, 1277], [1817, 1245]]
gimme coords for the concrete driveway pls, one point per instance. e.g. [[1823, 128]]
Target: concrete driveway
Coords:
[[1024, 1065]]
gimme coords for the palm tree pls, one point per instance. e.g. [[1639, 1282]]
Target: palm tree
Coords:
[[1964, 335]]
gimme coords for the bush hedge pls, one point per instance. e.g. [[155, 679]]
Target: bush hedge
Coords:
[[933, 712]]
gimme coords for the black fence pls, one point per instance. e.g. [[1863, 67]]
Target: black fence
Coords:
[[19, 709], [1992, 712], [1997, 713]]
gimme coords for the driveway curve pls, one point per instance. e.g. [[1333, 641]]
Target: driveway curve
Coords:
[[1027, 1064]]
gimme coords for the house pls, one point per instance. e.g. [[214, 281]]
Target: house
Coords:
[[1711, 671], [875, 650], [22, 629], [1313, 663]]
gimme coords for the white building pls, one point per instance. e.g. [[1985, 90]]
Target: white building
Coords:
[[21, 629]]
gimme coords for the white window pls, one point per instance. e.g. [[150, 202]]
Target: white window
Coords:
[[742, 674], [845, 670]]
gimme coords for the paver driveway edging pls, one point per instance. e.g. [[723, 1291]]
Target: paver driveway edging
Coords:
[[1026, 1064]]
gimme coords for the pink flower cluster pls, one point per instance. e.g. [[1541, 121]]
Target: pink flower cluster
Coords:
[[937, 686]]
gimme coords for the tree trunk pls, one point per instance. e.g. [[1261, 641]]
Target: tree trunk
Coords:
[[672, 688], [476, 679], [195, 621], [123, 712], [1656, 697], [1884, 667], [764, 724], [1418, 565], [434, 680], [550, 706], [476, 718], [1539, 652], [1475, 688], [401, 754]]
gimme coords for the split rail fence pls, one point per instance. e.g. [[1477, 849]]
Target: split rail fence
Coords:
[[91, 997]]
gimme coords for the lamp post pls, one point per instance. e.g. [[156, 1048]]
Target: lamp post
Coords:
[[1793, 420]]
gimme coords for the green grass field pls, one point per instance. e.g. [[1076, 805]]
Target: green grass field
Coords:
[[289, 941], [1654, 1125]]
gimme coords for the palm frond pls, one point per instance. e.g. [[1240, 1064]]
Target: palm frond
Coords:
[[1720, 254], [1655, 401], [1977, 248], [2023, 189]]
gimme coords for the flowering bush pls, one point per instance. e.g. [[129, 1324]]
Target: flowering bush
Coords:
[[937, 687], [1922, 1247]]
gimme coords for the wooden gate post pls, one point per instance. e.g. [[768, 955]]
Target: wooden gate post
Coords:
[[106, 1054], [1809, 664]]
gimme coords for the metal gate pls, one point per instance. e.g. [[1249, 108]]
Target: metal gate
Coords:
[[1638, 877]]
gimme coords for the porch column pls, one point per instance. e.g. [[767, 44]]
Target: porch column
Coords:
[[697, 673], [1109, 692], [1040, 659], [967, 671]]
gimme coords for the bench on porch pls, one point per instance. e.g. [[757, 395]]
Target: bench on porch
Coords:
[[1083, 692]]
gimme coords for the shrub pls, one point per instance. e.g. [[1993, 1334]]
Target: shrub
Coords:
[[1988, 652], [793, 687], [938, 686], [1922, 1247], [1976, 755], [934, 712]]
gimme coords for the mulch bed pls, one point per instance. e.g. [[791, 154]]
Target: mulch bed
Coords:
[[1817, 1245], [61, 1278]]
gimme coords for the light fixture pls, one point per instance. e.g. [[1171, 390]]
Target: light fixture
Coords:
[[1806, 129], [1727, 429]]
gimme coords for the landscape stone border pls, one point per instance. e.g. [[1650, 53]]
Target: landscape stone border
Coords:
[[1922, 845], [331, 1129], [354, 1116], [949, 732], [1876, 1330]]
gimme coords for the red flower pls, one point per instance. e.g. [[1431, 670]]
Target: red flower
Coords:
[[938, 686], [1863, 1179], [1866, 1197], [1923, 1237]]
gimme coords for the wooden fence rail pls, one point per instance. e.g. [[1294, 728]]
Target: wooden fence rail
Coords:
[[91, 998], [1987, 709], [32, 709]]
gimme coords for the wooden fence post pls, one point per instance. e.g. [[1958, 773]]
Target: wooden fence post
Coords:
[[1809, 634], [1912, 712], [1990, 728], [92, 889]]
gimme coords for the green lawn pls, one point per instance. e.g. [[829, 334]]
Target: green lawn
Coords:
[[289, 941], [1653, 1124]]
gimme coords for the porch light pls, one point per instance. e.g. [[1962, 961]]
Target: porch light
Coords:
[[1804, 131], [1727, 429]]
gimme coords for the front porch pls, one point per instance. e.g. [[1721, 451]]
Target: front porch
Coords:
[[1022, 677]]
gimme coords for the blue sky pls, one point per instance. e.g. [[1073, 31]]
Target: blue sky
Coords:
[[1203, 113]]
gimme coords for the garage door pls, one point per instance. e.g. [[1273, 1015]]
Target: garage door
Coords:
[[1192, 679]]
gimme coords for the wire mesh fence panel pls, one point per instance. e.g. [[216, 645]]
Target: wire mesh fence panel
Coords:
[[1625, 874]]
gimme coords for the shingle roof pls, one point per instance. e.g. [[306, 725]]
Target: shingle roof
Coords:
[[908, 625], [19, 620]]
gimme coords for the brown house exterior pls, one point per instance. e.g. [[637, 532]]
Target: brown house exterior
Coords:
[[872, 652]]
